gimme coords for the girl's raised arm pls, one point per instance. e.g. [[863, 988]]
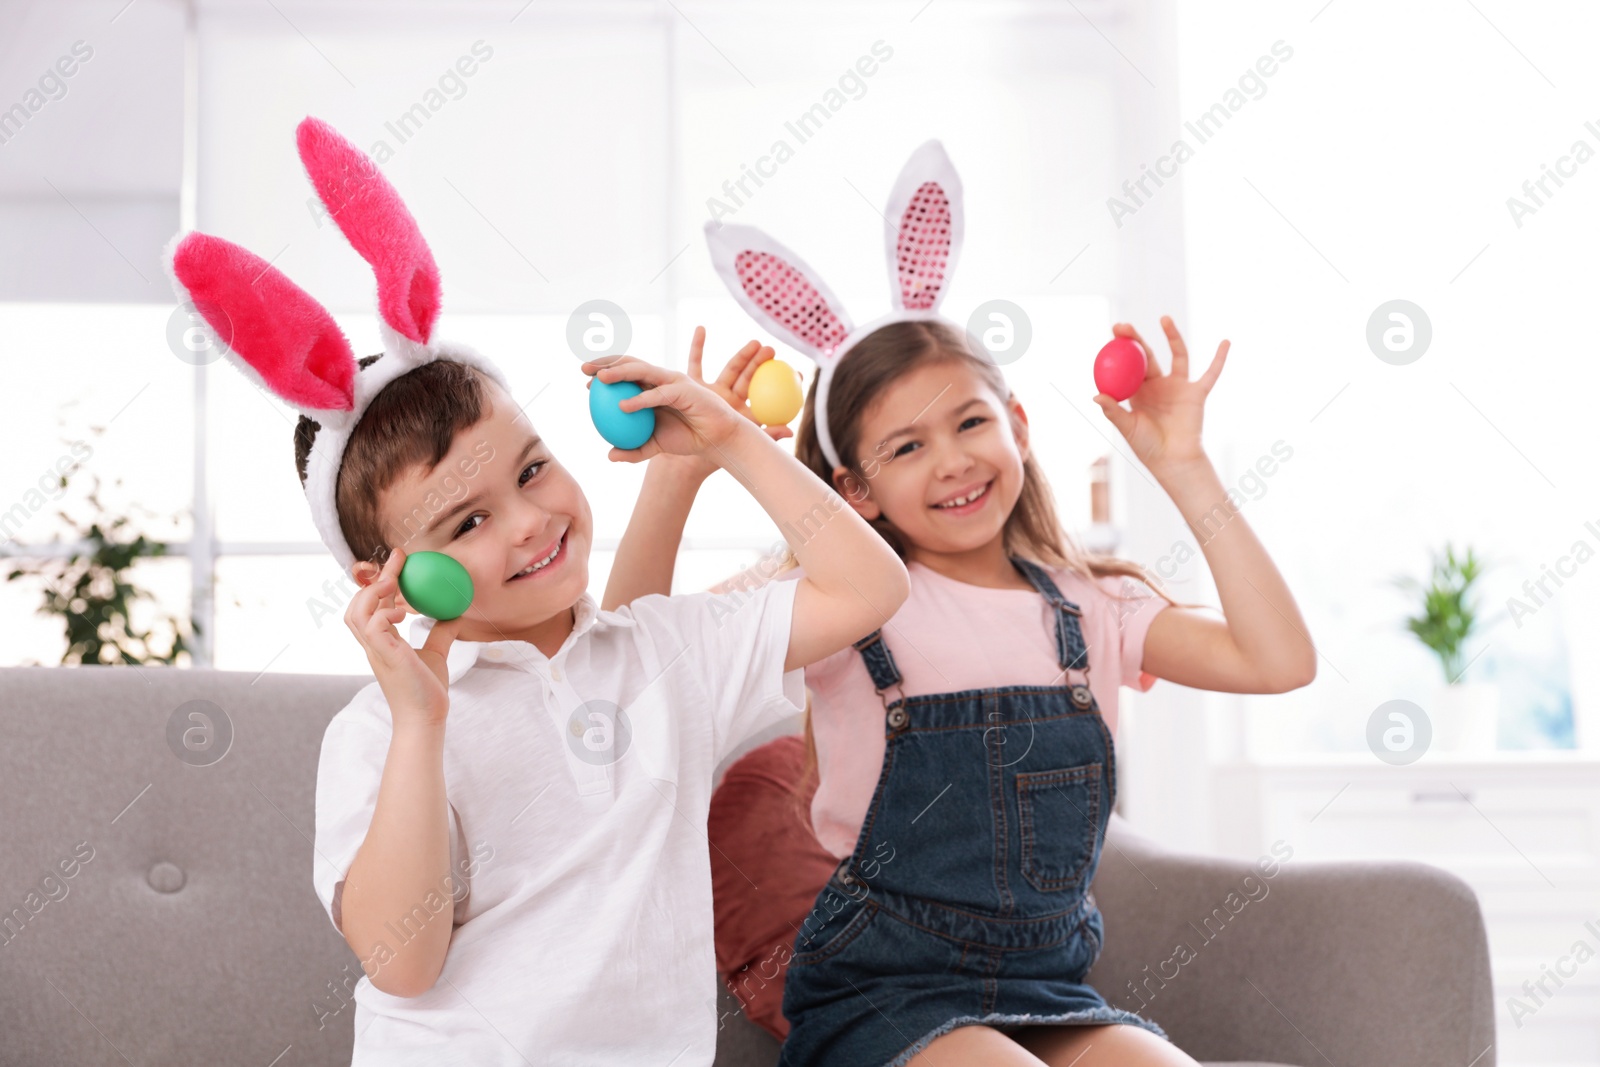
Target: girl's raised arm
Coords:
[[1261, 645]]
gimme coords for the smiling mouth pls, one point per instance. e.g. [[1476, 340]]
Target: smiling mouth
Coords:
[[966, 500], [545, 563]]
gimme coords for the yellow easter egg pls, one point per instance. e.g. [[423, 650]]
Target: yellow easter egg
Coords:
[[775, 396]]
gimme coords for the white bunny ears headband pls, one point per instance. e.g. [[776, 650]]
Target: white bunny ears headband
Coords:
[[281, 338], [922, 231]]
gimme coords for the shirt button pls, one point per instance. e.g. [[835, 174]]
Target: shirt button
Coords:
[[555, 672], [576, 728], [495, 653]]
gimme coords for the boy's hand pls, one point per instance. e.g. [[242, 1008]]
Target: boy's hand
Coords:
[[733, 386], [691, 419], [415, 681], [1164, 426]]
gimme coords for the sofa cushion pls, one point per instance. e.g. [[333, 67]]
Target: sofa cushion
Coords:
[[767, 868], [191, 934]]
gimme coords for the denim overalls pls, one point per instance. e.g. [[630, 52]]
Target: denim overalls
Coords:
[[967, 897]]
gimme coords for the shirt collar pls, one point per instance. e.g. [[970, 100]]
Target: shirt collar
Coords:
[[464, 654]]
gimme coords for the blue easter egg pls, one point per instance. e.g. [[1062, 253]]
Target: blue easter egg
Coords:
[[624, 429]]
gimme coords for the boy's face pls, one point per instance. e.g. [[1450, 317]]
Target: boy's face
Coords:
[[501, 506], [937, 435]]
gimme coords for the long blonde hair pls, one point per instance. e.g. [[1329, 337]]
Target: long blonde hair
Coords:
[[1032, 531]]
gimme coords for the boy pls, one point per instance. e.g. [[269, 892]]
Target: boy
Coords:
[[510, 822], [545, 766]]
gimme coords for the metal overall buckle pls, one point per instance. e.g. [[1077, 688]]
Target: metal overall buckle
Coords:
[[899, 717], [854, 887], [1082, 695]]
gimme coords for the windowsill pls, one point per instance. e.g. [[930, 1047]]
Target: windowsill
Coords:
[[1561, 757]]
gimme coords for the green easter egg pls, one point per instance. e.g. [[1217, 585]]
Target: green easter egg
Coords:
[[436, 585]]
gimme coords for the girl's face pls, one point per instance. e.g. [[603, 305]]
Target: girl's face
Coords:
[[941, 460], [501, 506]]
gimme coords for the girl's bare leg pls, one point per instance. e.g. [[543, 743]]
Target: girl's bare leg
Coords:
[[975, 1046], [1100, 1046], [1114, 1045]]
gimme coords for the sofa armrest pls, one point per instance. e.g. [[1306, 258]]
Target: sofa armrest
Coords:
[[1316, 964]]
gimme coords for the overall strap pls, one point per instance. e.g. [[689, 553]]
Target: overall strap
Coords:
[[880, 662], [1071, 651]]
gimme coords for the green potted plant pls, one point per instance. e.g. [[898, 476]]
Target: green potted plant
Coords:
[[1465, 714], [93, 593]]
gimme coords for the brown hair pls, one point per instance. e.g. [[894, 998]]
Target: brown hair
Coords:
[[412, 421], [1032, 531]]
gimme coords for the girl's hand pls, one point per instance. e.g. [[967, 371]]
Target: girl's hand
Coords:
[[414, 680], [691, 419], [1163, 426]]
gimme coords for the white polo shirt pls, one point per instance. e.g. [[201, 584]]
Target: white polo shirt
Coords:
[[582, 905]]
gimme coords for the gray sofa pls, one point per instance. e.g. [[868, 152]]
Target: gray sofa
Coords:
[[187, 931]]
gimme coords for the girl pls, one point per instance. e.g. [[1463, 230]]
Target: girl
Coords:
[[966, 770]]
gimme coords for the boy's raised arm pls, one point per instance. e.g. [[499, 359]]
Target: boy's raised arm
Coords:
[[648, 551], [853, 580]]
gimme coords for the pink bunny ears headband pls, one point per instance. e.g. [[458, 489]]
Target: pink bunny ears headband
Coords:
[[281, 338], [922, 231]]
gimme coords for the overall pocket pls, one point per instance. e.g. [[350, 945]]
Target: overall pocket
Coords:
[[1059, 815], [813, 945]]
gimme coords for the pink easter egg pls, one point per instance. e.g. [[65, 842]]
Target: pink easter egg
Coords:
[[1119, 368]]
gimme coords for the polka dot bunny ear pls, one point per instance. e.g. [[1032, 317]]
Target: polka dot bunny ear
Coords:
[[923, 229], [777, 288]]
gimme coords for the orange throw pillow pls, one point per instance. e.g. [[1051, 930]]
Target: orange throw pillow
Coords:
[[767, 868]]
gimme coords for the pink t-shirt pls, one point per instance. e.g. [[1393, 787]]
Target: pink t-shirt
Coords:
[[950, 636]]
